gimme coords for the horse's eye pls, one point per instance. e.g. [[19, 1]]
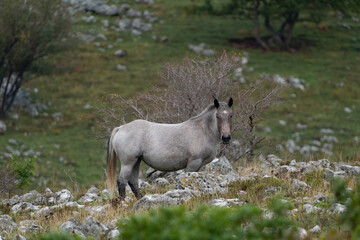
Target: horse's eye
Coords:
[[217, 117]]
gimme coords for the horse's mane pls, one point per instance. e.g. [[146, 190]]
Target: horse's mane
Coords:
[[209, 108]]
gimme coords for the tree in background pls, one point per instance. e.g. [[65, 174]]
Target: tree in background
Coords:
[[29, 30], [279, 17]]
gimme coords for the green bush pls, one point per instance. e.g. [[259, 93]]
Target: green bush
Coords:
[[351, 217], [245, 222], [59, 236]]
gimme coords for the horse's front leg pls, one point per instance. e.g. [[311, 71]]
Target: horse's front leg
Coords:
[[194, 165]]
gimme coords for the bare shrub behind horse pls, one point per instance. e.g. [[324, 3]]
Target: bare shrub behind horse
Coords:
[[188, 89]]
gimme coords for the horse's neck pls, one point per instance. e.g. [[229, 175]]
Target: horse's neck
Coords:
[[208, 122]]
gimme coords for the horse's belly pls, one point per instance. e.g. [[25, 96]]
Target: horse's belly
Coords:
[[166, 162]]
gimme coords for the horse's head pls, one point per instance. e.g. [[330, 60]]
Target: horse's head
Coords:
[[223, 118]]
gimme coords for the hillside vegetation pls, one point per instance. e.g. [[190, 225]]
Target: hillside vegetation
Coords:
[[302, 184], [327, 62]]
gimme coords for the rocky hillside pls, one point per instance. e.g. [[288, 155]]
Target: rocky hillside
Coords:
[[219, 184]]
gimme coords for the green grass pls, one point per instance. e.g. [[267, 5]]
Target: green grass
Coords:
[[84, 75]]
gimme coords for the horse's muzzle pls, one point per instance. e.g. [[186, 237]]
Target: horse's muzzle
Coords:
[[226, 139]]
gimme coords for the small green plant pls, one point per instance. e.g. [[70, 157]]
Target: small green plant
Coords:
[[16, 174], [245, 222], [23, 169]]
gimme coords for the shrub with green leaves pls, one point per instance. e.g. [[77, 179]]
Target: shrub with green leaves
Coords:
[[59, 236], [245, 222], [16, 174], [351, 216]]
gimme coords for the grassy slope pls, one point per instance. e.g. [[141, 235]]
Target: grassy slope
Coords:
[[85, 75]]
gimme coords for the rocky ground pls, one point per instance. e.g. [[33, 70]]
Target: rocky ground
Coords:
[[95, 215]]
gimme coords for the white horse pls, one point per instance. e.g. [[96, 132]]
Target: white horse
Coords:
[[167, 147]]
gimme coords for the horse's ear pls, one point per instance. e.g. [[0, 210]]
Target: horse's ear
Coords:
[[216, 103], [230, 102]]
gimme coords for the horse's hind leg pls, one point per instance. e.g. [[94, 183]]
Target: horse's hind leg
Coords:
[[123, 179], [134, 180]]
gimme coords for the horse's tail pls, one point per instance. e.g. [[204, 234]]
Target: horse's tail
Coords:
[[111, 164]]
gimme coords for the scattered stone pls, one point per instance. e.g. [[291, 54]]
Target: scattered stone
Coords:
[[101, 36], [92, 227], [121, 67], [208, 52], [161, 182], [308, 208], [272, 161], [13, 142], [144, 184], [298, 185], [63, 196], [105, 22], [285, 169], [185, 195], [139, 25], [330, 174], [337, 208], [221, 202], [220, 165], [282, 122], [92, 195], [106, 194], [18, 237], [23, 207], [351, 170], [44, 212], [113, 234], [326, 131], [124, 24], [7, 225], [302, 234], [89, 19], [200, 181], [301, 126], [98, 211], [133, 13], [145, 1], [135, 32], [29, 196], [345, 26], [272, 190], [120, 53], [319, 198], [2, 127], [291, 146], [154, 201], [347, 110], [29, 226], [86, 37], [57, 116], [329, 139], [315, 230], [72, 226], [238, 75], [296, 83]]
